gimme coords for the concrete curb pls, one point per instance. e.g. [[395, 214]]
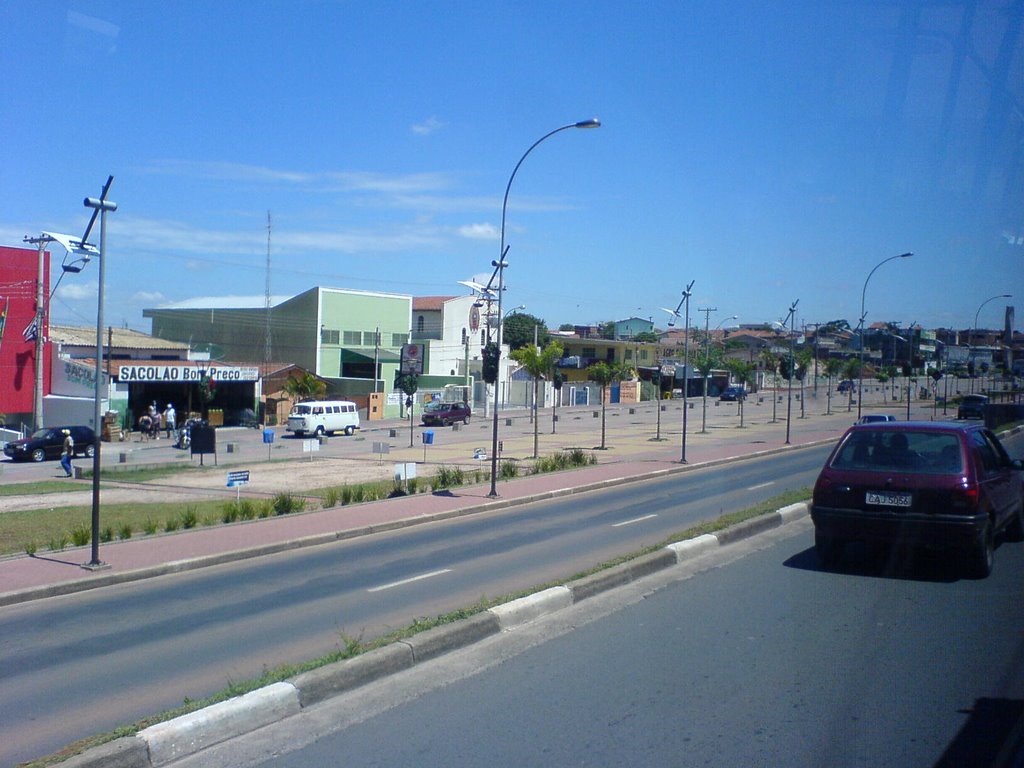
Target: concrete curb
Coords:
[[186, 735], [110, 579], [196, 731]]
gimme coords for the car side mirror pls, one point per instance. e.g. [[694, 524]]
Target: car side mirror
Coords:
[[1017, 464]]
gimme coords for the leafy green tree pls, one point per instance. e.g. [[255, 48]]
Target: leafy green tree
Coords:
[[537, 363], [603, 374], [833, 367], [517, 330], [646, 337], [851, 370], [607, 329], [305, 387]]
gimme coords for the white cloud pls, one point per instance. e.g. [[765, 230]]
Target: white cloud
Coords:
[[78, 291], [479, 231], [428, 126], [148, 297]]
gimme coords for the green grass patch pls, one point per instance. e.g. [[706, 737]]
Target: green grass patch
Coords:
[[40, 488]]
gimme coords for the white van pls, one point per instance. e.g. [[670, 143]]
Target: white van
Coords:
[[318, 417]]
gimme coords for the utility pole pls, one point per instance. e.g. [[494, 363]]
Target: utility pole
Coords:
[[40, 317]]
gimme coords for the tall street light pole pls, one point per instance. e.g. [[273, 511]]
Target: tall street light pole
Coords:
[[500, 265], [686, 360], [101, 205], [791, 319], [863, 293], [974, 331]]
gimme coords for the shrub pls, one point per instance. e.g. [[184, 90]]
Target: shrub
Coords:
[[107, 535], [286, 504], [246, 510], [229, 512], [449, 477], [81, 535], [172, 524], [264, 509], [189, 518], [150, 526], [331, 497], [56, 545], [124, 531], [31, 548], [509, 469]]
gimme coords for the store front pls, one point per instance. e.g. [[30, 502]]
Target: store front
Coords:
[[224, 395]]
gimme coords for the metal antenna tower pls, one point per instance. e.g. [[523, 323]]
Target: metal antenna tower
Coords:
[[266, 304]]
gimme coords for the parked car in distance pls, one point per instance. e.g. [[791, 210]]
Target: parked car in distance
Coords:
[[48, 443], [847, 385], [733, 393], [936, 485], [874, 418], [972, 407], [444, 414]]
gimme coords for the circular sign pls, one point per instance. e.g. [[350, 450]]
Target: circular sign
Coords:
[[474, 318]]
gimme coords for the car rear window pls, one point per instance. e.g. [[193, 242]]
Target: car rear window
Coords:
[[902, 451]]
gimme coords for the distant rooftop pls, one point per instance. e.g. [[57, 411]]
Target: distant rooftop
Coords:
[[125, 338]]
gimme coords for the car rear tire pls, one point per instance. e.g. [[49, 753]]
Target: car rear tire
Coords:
[[350, 430], [980, 559], [319, 432], [38, 454], [90, 451], [829, 550]]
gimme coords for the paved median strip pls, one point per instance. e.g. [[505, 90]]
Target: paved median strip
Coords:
[[189, 734]]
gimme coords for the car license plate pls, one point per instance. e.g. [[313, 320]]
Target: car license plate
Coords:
[[887, 499]]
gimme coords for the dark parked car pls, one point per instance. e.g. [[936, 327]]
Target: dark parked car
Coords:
[[443, 414], [928, 484], [733, 393], [847, 385], [48, 443], [972, 407]]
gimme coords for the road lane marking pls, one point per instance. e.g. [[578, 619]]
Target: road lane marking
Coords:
[[761, 485], [634, 520], [403, 582]]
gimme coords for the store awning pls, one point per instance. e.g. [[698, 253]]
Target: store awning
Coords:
[[383, 356]]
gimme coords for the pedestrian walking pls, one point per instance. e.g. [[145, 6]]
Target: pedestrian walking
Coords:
[[171, 421], [67, 452]]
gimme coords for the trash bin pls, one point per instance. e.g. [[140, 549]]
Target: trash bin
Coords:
[[428, 437], [268, 436]]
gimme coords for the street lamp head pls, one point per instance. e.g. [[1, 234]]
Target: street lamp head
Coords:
[[591, 123], [100, 204], [906, 255]]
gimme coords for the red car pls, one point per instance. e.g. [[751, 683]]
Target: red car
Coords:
[[937, 485]]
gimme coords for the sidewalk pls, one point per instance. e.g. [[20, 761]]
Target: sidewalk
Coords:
[[630, 457]]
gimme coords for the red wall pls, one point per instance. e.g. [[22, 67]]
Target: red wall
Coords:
[[18, 271]]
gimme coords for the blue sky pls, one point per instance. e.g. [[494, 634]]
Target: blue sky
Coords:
[[769, 151]]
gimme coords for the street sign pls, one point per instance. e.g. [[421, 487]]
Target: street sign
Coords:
[[241, 477]]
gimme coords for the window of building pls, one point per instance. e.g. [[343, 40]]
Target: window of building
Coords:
[[465, 337], [353, 338], [328, 336], [369, 338], [419, 324], [399, 339]]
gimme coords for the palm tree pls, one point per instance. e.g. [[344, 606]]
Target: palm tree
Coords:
[[304, 387], [743, 374], [537, 363], [603, 374]]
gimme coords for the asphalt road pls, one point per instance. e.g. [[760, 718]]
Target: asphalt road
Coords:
[[82, 664], [764, 660]]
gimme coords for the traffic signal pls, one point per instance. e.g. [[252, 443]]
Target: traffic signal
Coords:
[[491, 355]]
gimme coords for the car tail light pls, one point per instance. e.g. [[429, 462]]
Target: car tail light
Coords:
[[964, 499]]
